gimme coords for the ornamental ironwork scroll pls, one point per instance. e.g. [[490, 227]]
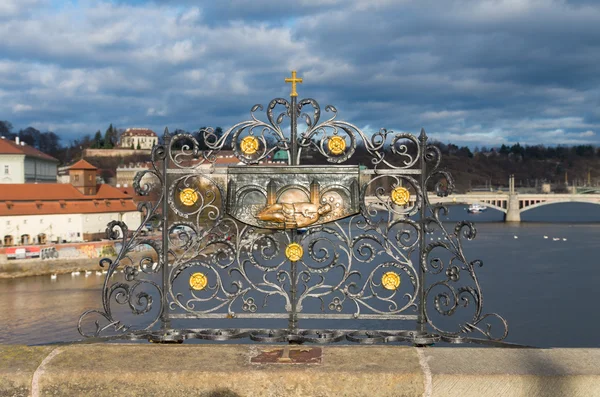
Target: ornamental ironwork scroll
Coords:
[[259, 249]]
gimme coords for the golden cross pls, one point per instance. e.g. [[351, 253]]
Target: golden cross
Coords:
[[293, 80]]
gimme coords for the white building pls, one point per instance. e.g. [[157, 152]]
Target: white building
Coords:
[[126, 174], [138, 138], [21, 163], [54, 212]]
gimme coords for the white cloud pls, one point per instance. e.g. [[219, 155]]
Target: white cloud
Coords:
[[19, 107], [155, 112], [190, 16], [9, 8], [443, 114], [468, 71], [587, 133]]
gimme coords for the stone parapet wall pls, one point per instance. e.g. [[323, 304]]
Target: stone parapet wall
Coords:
[[232, 371], [115, 152]]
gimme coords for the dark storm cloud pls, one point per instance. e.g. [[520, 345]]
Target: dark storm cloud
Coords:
[[476, 72]]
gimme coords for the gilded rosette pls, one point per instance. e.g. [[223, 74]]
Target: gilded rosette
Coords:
[[198, 281], [188, 196], [249, 145], [336, 145], [400, 195], [390, 281], [294, 252]]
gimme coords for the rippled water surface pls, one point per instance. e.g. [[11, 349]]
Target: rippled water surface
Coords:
[[546, 289]]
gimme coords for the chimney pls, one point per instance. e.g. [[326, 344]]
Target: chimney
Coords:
[[17, 140]]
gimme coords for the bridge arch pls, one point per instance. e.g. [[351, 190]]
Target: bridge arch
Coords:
[[475, 201], [583, 201]]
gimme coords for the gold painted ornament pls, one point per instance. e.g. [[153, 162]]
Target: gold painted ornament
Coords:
[[198, 281], [400, 195], [249, 145], [294, 80], [294, 252], [188, 196], [390, 281], [336, 145]]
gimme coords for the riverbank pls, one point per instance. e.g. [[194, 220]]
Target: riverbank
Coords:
[[40, 267], [262, 370]]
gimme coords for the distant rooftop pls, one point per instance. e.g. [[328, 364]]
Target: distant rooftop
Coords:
[[139, 132], [82, 165], [8, 146]]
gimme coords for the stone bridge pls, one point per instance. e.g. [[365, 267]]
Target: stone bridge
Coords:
[[511, 203]]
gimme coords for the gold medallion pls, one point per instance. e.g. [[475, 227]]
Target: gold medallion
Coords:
[[336, 145], [198, 281], [400, 195], [390, 280], [294, 252], [249, 145], [188, 196]]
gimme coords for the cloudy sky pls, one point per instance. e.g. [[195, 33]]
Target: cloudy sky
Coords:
[[470, 72]]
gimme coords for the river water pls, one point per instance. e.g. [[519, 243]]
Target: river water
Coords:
[[545, 288]]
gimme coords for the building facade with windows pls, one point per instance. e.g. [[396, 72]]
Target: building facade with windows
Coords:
[[21, 163], [138, 138], [44, 213]]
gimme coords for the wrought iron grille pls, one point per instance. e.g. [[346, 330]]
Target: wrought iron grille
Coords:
[[261, 250]]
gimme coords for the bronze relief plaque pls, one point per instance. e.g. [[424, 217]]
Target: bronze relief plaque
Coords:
[[292, 197]]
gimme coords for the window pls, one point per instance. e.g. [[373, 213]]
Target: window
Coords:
[[7, 223], [69, 220], [41, 220], [6, 169], [24, 221], [76, 178], [90, 177]]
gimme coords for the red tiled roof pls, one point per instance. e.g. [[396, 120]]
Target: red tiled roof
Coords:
[[139, 132], [130, 192], [109, 192], [68, 207], [82, 165], [58, 198], [54, 191], [9, 147], [29, 191]]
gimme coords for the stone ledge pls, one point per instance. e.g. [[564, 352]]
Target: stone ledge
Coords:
[[513, 372], [227, 371]]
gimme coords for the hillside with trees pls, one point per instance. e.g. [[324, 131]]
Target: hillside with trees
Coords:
[[532, 165]]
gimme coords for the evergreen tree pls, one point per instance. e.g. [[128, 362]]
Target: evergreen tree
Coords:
[[110, 137], [98, 141], [138, 145], [6, 129]]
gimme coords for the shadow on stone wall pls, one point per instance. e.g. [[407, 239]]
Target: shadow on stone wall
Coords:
[[548, 375], [221, 393]]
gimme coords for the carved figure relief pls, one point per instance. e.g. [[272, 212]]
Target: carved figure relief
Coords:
[[294, 197], [294, 215]]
